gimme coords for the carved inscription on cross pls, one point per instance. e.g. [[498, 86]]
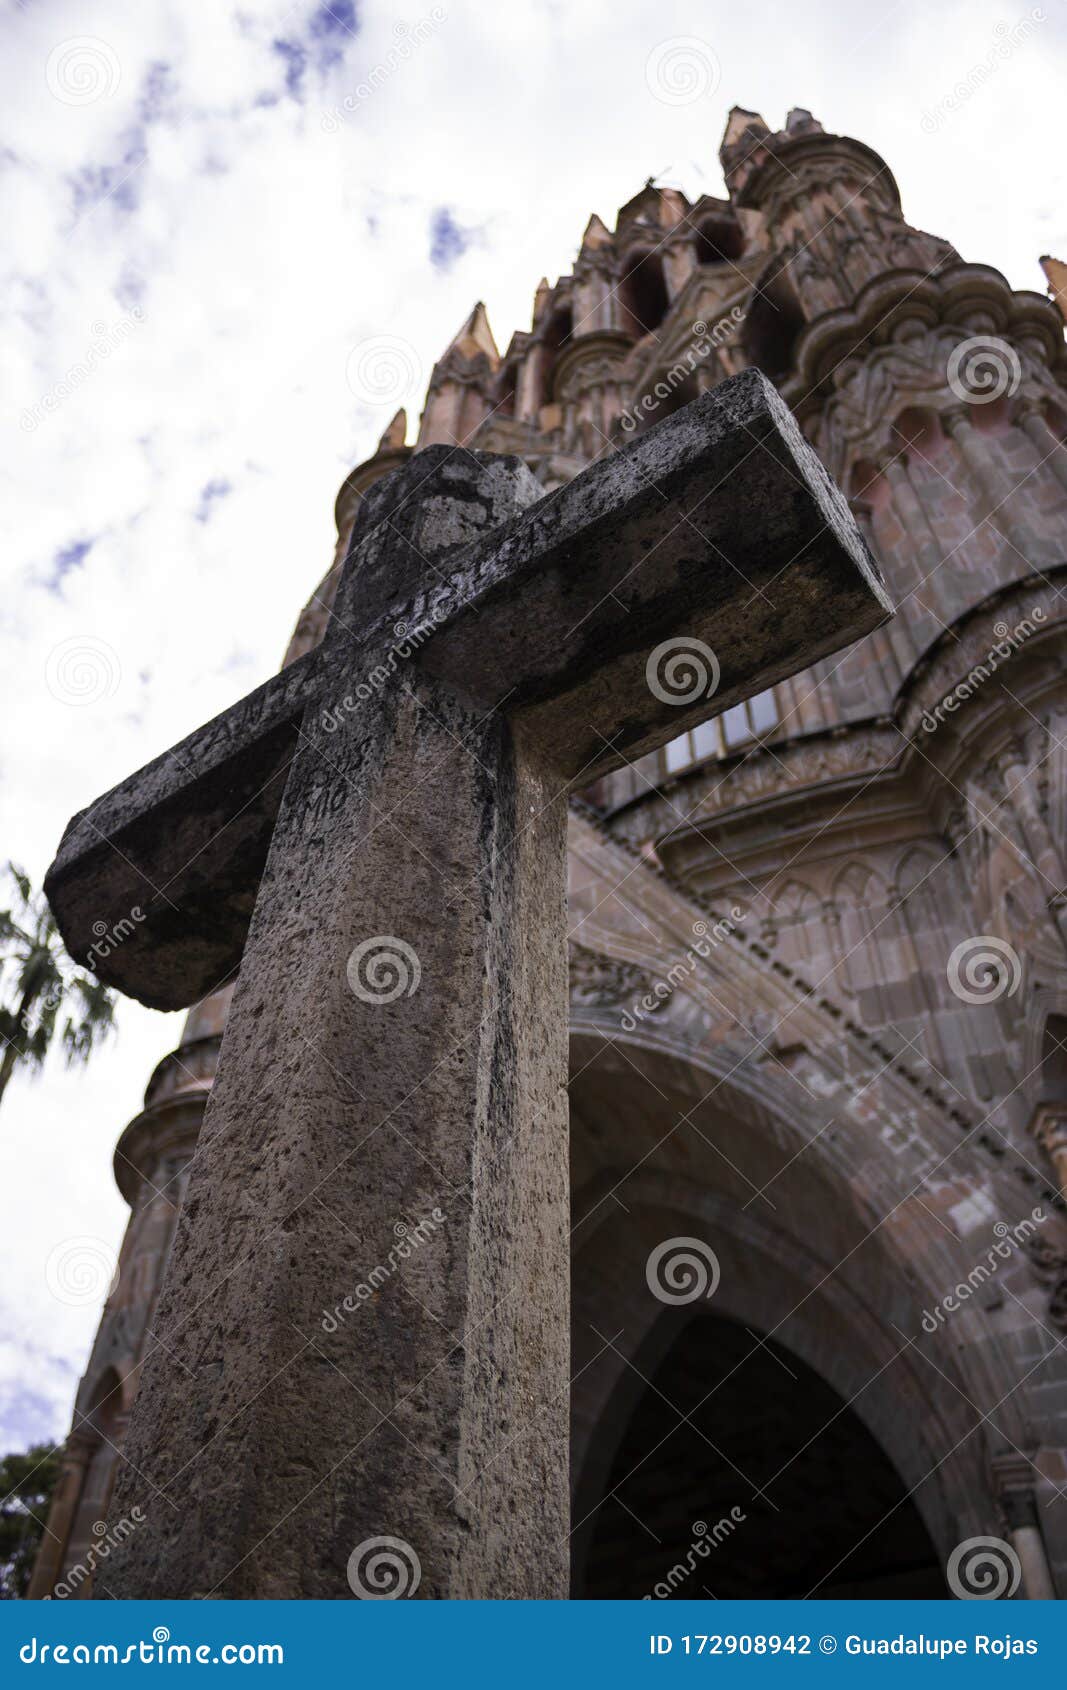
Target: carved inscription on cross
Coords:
[[386, 863]]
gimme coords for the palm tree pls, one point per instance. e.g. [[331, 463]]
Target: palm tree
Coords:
[[37, 981]]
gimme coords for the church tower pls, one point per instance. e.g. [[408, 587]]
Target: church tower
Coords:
[[819, 960]]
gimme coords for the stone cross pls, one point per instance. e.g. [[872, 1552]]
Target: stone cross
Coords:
[[359, 1380]]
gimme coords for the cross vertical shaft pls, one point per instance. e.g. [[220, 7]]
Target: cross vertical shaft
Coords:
[[395, 1059], [363, 1334]]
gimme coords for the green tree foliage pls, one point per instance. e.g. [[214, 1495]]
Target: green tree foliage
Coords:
[[26, 1485], [42, 993]]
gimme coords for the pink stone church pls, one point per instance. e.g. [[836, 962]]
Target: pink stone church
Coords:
[[819, 944]]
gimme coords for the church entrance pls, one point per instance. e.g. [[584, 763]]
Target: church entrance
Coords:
[[742, 1473]]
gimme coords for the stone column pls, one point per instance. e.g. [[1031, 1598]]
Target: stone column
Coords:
[[1031, 420], [369, 1285], [1013, 1480], [1049, 1128], [150, 1162], [529, 395], [679, 262], [1020, 794], [51, 1556], [991, 481], [912, 514]]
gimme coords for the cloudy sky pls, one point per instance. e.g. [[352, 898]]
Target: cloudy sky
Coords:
[[213, 213]]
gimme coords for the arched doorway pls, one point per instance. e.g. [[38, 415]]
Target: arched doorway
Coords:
[[742, 1473]]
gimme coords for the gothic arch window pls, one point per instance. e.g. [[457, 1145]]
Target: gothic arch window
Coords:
[[863, 939], [556, 338], [718, 240], [794, 921], [504, 399], [725, 1409], [922, 945], [772, 327], [643, 294]]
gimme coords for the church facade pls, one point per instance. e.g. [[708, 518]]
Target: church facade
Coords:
[[818, 945]]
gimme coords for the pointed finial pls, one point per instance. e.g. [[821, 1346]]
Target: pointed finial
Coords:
[[1056, 276], [596, 235], [396, 434], [801, 122], [476, 336], [540, 297]]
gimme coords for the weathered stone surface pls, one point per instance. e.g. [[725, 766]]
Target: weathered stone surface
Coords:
[[832, 840], [395, 1053], [435, 1411], [184, 840], [719, 526]]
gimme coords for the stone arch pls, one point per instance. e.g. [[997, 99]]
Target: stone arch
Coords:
[[790, 924], [643, 292], [99, 1437], [773, 323], [860, 938], [771, 1487], [553, 341], [831, 1260], [718, 238]]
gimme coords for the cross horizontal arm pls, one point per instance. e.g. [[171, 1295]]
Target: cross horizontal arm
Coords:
[[719, 528], [718, 535], [153, 884]]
